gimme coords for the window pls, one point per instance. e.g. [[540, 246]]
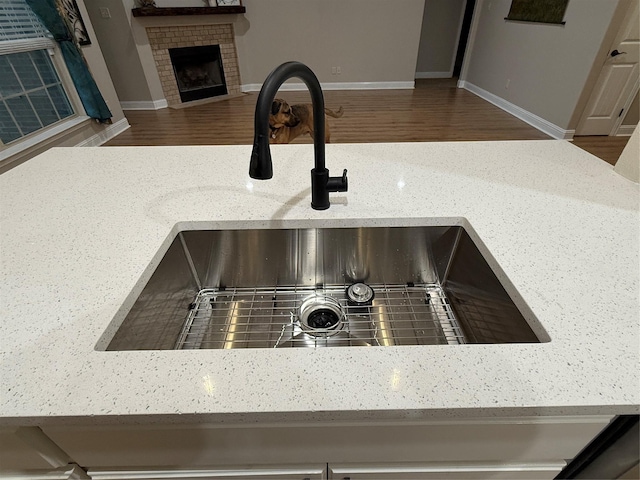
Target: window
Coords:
[[32, 94]]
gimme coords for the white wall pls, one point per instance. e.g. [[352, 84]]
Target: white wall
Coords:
[[546, 67], [439, 38], [120, 50], [370, 40], [127, 52], [98, 67]]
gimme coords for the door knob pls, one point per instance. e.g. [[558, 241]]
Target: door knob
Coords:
[[615, 53]]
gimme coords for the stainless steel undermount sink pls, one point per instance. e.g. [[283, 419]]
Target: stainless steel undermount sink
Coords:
[[321, 287]]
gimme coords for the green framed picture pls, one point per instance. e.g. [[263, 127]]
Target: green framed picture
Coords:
[[540, 11]]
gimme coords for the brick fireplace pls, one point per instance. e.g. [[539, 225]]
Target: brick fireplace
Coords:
[[161, 39]]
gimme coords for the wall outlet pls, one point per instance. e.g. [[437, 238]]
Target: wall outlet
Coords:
[[506, 85], [104, 12], [338, 70], [334, 70]]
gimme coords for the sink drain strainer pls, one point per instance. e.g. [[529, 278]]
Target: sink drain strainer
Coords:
[[321, 315], [360, 294]]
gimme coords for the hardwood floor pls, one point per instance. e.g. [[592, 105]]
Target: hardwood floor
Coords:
[[434, 111], [606, 148]]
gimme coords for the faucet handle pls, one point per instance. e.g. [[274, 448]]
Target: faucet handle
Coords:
[[338, 184]]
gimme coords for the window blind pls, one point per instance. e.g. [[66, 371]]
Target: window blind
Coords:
[[32, 96], [18, 22]]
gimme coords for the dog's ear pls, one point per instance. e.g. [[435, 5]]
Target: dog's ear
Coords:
[[275, 107]]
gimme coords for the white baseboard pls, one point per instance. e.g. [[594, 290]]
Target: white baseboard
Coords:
[[105, 135], [295, 87], [625, 130], [534, 120], [151, 105], [434, 74]]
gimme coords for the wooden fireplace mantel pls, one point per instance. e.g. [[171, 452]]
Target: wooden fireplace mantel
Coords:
[[175, 11]]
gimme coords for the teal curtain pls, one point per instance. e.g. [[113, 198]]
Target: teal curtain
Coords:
[[91, 98]]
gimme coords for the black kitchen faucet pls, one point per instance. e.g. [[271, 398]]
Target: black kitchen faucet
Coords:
[[261, 167]]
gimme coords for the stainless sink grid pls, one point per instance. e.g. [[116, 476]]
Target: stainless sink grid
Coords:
[[268, 318]]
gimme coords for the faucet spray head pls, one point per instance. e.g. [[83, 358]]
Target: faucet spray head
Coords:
[[260, 166]]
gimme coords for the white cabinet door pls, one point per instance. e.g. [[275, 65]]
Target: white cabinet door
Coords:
[[444, 472], [241, 473]]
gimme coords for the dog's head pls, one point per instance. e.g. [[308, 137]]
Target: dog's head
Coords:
[[282, 115]]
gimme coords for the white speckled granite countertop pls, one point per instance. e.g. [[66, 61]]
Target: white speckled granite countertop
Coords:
[[79, 228]]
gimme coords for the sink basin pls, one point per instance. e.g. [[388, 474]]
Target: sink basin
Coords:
[[322, 287]]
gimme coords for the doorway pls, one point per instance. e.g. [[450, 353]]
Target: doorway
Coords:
[[464, 36], [445, 29]]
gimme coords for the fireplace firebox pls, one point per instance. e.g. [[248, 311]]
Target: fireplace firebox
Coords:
[[198, 71]]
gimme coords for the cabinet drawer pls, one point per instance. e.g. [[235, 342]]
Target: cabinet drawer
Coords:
[[497, 441]]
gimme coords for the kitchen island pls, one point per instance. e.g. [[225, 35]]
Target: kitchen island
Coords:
[[81, 229]]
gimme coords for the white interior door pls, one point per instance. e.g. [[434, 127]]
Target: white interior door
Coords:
[[618, 81]]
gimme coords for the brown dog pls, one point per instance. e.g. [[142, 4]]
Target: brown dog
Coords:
[[288, 122]]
